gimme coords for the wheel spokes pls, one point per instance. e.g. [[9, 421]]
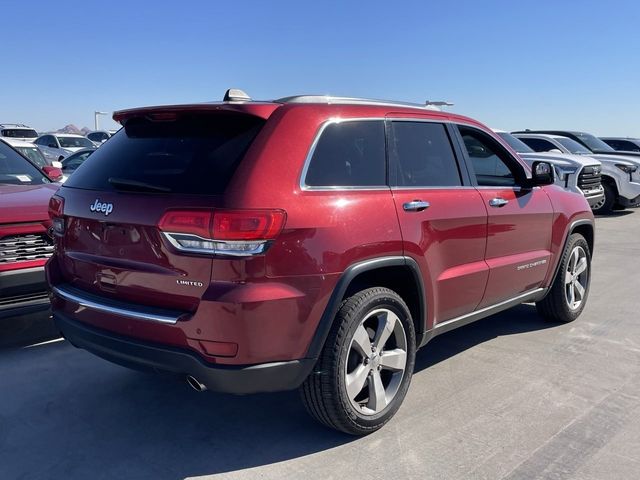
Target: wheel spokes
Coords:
[[361, 341], [395, 360], [377, 394], [356, 380], [582, 266], [386, 324], [580, 289]]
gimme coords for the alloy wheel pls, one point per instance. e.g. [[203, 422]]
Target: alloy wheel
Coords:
[[576, 278], [376, 361]]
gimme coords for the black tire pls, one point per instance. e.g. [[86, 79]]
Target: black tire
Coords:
[[605, 207], [556, 306], [324, 392]]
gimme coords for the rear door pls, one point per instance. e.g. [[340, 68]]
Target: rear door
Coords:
[[519, 218], [442, 217], [115, 200]]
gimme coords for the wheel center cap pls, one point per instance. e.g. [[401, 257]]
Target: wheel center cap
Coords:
[[375, 360]]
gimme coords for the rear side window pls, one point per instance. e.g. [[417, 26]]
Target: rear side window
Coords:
[[195, 154], [349, 154], [422, 155], [19, 133]]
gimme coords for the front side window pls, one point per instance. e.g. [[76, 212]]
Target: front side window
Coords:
[[492, 164], [349, 154], [422, 155]]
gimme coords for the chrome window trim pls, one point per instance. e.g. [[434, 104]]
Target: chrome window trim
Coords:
[[111, 309], [260, 248]]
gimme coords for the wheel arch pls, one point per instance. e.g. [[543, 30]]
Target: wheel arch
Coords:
[[586, 228], [398, 273]]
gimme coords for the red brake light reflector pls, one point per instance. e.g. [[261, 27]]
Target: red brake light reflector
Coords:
[[247, 224], [56, 207], [196, 222]]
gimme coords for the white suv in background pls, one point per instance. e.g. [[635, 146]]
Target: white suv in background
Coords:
[[620, 176], [57, 146], [17, 131], [573, 172]]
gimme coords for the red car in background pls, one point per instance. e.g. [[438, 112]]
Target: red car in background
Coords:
[[25, 242]]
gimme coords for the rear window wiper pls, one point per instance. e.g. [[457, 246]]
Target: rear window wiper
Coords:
[[134, 185]]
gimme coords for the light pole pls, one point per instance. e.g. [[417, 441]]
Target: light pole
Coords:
[[95, 117]]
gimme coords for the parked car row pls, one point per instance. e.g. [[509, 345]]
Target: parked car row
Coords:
[[308, 242]]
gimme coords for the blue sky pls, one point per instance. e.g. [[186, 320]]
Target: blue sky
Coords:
[[510, 64]]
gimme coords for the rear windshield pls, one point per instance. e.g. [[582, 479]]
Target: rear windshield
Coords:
[[16, 170], [196, 154], [19, 133]]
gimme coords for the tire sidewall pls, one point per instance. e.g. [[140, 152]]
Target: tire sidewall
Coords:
[[574, 241], [397, 306]]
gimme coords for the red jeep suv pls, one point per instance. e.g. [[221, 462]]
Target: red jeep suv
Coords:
[[311, 242]]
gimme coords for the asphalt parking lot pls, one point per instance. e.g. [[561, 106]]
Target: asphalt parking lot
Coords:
[[508, 397]]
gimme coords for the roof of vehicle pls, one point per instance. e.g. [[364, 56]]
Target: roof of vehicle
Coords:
[[264, 109], [59, 134], [536, 134], [621, 138], [17, 126], [17, 143]]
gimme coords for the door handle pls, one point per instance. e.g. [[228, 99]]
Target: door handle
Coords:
[[415, 206], [498, 202]]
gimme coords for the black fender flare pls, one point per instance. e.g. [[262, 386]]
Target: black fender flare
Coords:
[[330, 311]]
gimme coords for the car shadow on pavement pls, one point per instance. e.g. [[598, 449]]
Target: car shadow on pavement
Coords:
[[67, 414], [519, 319]]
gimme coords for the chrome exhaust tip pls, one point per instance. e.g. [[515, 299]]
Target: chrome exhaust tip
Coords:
[[195, 384]]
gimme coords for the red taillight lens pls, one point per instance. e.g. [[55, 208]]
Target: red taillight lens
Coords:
[[247, 224], [56, 212], [56, 207], [195, 222]]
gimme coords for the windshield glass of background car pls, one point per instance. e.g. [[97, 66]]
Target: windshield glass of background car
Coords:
[[518, 145], [33, 154], [19, 133], [594, 143], [196, 154], [16, 170], [573, 146], [75, 142]]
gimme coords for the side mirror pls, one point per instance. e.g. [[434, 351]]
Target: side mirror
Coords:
[[53, 173], [542, 174]]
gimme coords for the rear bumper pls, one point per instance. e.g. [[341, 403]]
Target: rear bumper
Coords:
[[268, 377], [22, 292]]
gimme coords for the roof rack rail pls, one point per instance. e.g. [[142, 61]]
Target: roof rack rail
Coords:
[[13, 125], [351, 100]]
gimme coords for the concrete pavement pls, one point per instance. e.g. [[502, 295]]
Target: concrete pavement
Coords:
[[509, 397]]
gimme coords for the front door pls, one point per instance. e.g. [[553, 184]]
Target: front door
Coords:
[[519, 219]]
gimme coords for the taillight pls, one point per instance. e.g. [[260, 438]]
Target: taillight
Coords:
[[222, 232], [56, 212]]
